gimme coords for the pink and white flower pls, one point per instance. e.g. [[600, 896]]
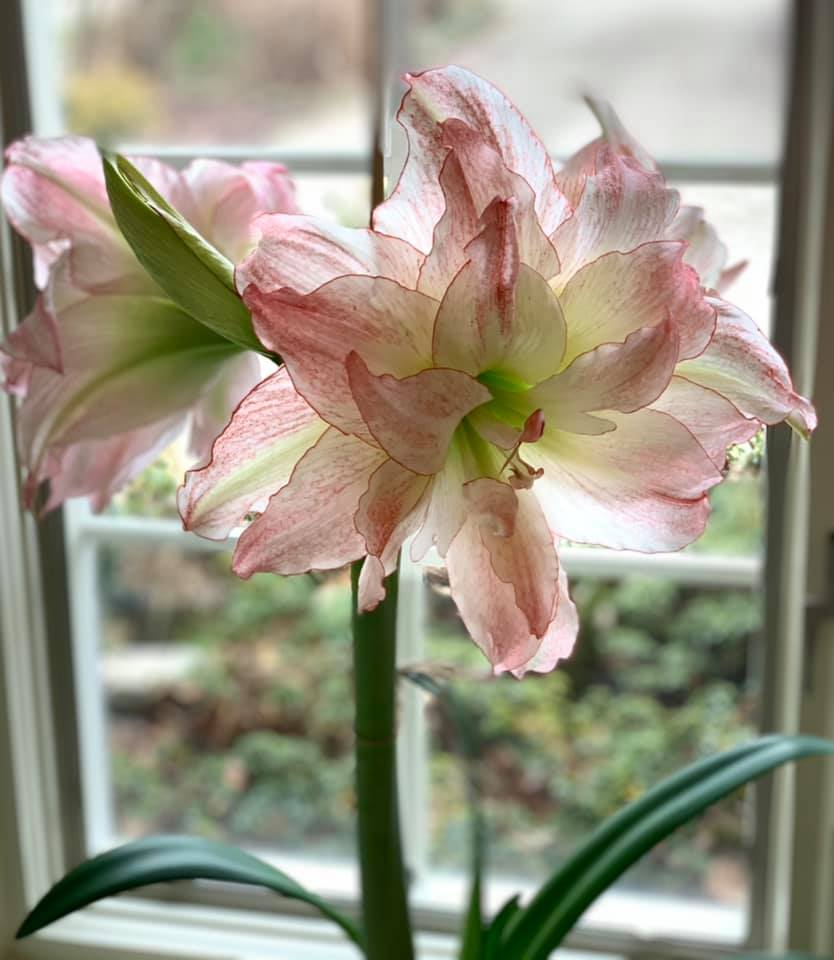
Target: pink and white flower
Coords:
[[511, 356], [108, 368]]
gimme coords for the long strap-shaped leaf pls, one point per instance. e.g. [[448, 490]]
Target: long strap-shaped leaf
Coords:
[[624, 838], [161, 859], [525, 924]]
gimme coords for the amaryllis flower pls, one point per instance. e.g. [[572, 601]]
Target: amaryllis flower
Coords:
[[510, 357], [110, 370]]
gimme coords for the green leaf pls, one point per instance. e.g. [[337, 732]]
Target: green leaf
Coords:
[[194, 274], [495, 931], [624, 838], [162, 859]]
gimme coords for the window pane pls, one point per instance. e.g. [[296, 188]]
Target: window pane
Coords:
[[700, 81], [228, 702], [286, 74], [661, 675]]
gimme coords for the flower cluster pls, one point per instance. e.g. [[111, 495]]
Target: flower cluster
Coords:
[[109, 369], [511, 356]]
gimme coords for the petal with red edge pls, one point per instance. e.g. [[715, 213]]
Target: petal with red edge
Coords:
[[389, 326], [434, 97], [252, 458], [705, 252], [640, 487], [446, 508], [310, 523], [742, 366], [558, 642], [414, 419], [615, 376], [621, 207], [713, 420], [304, 253], [621, 292], [389, 511], [487, 603], [499, 315]]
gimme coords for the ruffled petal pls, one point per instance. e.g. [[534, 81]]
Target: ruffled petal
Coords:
[[499, 315], [304, 253], [446, 507], [310, 523], [435, 96], [714, 421], [497, 585], [557, 643], [389, 511], [640, 487], [389, 326], [742, 366], [252, 458], [621, 207], [413, 419], [705, 252], [621, 292], [226, 199], [615, 376], [53, 193]]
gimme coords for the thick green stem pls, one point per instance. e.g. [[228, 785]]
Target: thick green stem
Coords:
[[384, 902]]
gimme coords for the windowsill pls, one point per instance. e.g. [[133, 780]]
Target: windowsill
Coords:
[[140, 930]]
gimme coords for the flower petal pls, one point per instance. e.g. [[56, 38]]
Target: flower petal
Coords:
[[446, 509], [98, 469], [705, 252], [713, 420], [309, 524], [493, 584], [226, 199], [619, 293], [741, 365], [211, 414], [304, 253], [499, 315], [434, 97], [389, 326], [640, 487], [251, 459], [389, 511], [53, 192], [614, 376], [621, 207], [558, 642], [413, 419], [127, 362]]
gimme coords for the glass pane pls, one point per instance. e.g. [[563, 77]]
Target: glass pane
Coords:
[[286, 74], [228, 701], [701, 81], [661, 675]]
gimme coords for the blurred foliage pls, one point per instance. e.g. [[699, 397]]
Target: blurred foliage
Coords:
[[109, 101]]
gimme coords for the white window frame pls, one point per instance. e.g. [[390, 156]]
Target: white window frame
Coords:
[[37, 830]]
